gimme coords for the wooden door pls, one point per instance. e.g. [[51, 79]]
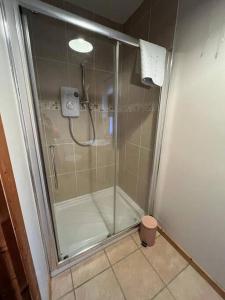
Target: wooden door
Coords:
[[17, 275]]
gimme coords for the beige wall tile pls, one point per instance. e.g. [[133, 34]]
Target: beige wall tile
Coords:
[[85, 157], [51, 76], [105, 155], [165, 259], [104, 89], [190, 285], [133, 127], [143, 187], [104, 128], [86, 182], [103, 286], [122, 179], [132, 158], [145, 164], [46, 42], [50, 182], [130, 184], [151, 97], [137, 278], [104, 53], [122, 126], [56, 127], [61, 284], [64, 158], [66, 187], [48, 166], [148, 129], [89, 268], [105, 177], [121, 249]]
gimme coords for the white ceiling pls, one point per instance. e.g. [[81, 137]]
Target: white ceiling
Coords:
[[115, 10]]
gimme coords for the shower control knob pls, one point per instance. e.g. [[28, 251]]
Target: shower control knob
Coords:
[[70, 105], [76, 94]]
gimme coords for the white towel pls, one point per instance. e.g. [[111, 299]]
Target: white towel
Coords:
[[153, 59]]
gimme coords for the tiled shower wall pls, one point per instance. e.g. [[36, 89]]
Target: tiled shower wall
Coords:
[[80, 170], [153, 21]]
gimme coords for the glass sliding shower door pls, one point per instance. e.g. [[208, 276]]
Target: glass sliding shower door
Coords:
[[88, 151], [137, 119]]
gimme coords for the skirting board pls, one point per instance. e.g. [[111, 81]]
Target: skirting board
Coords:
[[213, 284]]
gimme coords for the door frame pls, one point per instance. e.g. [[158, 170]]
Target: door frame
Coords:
[[12, 205]]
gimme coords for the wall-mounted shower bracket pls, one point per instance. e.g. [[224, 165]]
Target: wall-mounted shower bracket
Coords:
[[70, 102]]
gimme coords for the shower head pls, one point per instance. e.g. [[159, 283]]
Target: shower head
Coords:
[[80, 45]]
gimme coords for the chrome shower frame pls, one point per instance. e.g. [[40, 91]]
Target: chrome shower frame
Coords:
[[26, 91]]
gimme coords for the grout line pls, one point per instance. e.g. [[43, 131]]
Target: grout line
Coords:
[[178, 274], [118, 261], [62, 297], [68, 292], [111, 266], [86, 281], [74, 294], [153, 268], [118, 283], [162, 289], [83, 170], [166, 283], [171, 293]]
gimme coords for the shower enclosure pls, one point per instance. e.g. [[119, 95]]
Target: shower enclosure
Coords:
[[97, 164]]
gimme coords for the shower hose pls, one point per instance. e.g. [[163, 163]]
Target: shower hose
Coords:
[[86, 102], [85, 144]]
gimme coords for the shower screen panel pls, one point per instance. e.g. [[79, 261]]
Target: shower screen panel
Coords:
[[86, 154], [137, 120]]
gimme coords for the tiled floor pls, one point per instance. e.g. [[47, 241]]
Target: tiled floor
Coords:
[[126, 270]]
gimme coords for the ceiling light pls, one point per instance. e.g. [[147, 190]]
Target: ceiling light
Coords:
[[80, 45]]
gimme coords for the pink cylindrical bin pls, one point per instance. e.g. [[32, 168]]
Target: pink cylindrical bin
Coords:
[[148, 228]]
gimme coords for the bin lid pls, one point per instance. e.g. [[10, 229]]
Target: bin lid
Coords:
[[149, 222]]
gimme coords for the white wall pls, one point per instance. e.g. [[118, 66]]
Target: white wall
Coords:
[[190, 199], [13, 131]]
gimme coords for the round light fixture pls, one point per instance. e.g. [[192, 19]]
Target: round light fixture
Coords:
[[80, 45]]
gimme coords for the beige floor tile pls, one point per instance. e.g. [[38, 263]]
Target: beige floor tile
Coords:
[[137, 278], [102, 287], [61, 284], [89, 268], [165, 259], [120, 249], [189, 285], [164, 295], [69, 296]]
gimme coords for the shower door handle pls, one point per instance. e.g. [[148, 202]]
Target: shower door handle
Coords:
[[52, 152]]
